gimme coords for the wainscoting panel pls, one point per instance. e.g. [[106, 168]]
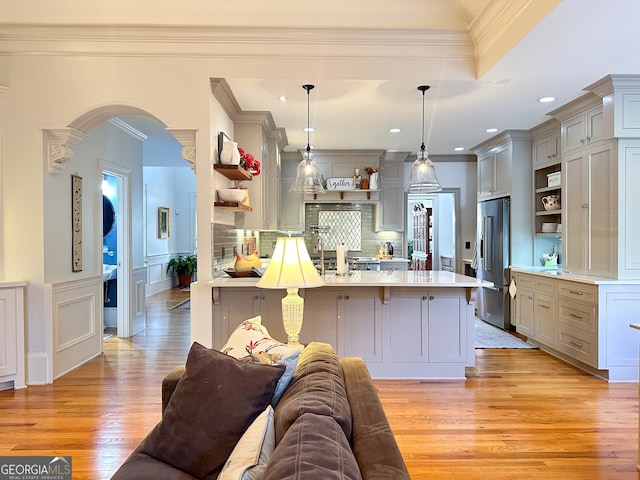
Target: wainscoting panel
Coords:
[[76, 320]]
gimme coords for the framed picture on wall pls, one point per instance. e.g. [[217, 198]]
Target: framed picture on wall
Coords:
[[163, 222]]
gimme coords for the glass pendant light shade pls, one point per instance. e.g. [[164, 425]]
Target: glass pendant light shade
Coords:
[[307, 178], [422, 178]]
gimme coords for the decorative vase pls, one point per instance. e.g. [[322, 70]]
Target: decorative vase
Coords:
[[230, 154], [373, 181]]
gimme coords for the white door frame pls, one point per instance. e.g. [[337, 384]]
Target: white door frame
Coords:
[[123, 216]]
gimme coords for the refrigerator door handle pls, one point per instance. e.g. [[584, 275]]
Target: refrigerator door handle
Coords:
[[486, 242]]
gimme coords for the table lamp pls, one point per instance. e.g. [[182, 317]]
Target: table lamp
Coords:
[[291, 268]]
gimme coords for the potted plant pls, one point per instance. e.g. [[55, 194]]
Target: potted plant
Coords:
[[184, 266]]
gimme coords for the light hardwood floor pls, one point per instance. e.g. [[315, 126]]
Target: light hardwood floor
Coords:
[[520, 414]]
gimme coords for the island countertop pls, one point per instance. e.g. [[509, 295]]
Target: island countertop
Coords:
[[383, 278]]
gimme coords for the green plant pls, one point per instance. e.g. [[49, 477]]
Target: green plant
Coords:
[[183, 264]]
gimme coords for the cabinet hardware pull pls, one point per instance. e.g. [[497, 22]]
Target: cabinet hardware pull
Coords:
[[339, 297], [582, 141], [346, 297], [573, 292], [431, 297], [543, 305], [256, 297], [424, 297], [588, 139], [575, 344], [575, 316]]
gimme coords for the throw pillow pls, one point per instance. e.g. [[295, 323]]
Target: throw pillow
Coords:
[[212, 406], [252, 453], [251, 341]]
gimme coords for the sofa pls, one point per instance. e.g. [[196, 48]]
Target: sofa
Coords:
[[328, 421]]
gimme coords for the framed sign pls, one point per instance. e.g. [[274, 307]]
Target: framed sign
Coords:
[[163, 222], [76, 223], [341, 183]]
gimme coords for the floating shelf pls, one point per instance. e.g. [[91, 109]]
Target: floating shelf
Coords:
[[353, 190], [548, 212], [232, 172], [237, 207]]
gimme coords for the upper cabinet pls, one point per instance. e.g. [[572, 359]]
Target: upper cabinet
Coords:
[[600, 170], [494, 172], [256, 133], [291, 210], [546, 141], [390, 209]]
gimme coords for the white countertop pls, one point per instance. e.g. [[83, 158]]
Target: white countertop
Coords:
[[383, 278], [574, 277]]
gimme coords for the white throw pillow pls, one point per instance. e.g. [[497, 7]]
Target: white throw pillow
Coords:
[[252, 453], [251, 339]]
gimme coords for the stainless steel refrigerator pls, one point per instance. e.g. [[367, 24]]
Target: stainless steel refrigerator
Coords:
[[493, 262]]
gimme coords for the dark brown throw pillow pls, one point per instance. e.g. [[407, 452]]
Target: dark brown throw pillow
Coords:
[[213, 404]]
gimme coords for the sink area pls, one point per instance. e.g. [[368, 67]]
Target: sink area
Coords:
[[109, 272]]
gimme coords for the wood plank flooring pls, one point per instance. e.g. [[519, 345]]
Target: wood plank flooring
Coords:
[[520, 414]]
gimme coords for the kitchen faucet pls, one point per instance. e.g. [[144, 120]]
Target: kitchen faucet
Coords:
[[320, 248]]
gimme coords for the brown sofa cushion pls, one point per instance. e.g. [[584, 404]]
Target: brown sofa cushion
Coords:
[[374, 445], [140, 466], [214, 402], [317, 387], [314, 448]]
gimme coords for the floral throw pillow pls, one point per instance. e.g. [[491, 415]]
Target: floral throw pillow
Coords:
[[251, 342]]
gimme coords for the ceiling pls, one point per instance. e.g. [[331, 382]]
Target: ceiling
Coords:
[[487, 61]]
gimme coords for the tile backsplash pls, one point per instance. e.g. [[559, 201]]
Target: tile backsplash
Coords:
[[347, 222]]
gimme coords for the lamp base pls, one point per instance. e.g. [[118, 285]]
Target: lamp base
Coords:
[[292, 316]]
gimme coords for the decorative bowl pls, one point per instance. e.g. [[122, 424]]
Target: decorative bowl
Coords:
[[235, 195], [549, 227]]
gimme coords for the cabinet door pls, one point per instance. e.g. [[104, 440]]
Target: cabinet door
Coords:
[[323, 310], [544, 317], [447, 330], [361, 325], [574, 213], [390, 209], [485, 176], [236, 306], [600, 235], [524, 311], [542, 150], [574, 132], [595, 125], [502, 168], [8, 333], [408, 329]]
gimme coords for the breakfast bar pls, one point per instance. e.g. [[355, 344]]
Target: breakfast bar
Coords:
[[405, 324]]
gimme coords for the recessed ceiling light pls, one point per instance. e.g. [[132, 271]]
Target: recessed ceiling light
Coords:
[[394, 130], [309, 129], [283, 98], [459, 149], [491, 130], [546, 99]]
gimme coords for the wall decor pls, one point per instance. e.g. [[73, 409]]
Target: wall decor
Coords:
[[76, 223], [163, 222]]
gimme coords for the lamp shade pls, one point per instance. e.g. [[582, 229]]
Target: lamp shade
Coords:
[[291, 266], [422, 178]]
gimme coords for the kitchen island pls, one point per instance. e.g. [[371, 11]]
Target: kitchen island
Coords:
[[405, 324]]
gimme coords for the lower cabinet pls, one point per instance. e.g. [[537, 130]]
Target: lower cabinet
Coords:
[[584, 323]]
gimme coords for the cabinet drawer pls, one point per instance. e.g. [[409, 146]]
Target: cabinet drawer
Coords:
[[525, 281], [545, 285], [578, 315], [578, 291], [578, 344]]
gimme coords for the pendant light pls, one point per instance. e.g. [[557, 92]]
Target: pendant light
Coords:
[[422, 178], [307, 179]]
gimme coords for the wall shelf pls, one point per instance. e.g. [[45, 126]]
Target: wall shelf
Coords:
[[342, 192], [235, 206], [233, 172]]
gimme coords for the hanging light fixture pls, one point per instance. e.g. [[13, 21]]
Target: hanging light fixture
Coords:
[[423, 174], [307, 179]]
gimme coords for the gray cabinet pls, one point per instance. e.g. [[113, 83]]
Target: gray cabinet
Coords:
[[390, 210], [494, 172], [291, 204]]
